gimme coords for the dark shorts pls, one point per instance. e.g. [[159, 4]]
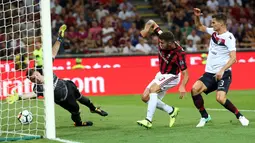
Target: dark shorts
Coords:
[[221, 85], [70, 102]]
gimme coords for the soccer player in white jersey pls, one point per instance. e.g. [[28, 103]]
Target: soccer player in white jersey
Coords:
[[217, 76]]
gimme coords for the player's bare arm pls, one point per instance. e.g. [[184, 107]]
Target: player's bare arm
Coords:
[[147, 28], [151, 24], [29, 95], [57, 44], [231, 61], [55, 48], [182, 87], [198, 24]]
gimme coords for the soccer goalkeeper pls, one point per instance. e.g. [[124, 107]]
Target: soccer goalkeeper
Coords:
[[66, 93]]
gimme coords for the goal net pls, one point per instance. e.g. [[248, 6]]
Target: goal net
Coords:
[[20, 35]]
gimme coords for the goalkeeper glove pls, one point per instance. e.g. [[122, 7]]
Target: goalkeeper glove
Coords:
[[61, 33], [12, 98]]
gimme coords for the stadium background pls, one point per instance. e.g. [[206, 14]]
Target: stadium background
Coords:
[[103, 39], [111, 70]]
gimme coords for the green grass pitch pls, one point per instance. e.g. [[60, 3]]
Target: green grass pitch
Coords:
[[120, 126]]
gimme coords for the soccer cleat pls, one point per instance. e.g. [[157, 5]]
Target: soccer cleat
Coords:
[[87, 123], [12, 98], [243, 121], [173, 116], [203, 121], [145, 123], [99, 111]]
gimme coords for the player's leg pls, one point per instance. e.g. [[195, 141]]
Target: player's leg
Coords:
[[169, 82], [84, 100], [198, 100], [163, 106], [171, 110], [150, 96], [205, 84], [154, 90], [223, 86], [72, 106]]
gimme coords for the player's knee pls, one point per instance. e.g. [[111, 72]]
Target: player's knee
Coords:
[[145, 98], [198, 88], [221, 98], [195, 90]]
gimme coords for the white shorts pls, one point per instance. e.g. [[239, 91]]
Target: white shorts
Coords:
[[165, 81]]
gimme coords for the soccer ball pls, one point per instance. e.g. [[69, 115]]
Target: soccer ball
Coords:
[[25, 117]]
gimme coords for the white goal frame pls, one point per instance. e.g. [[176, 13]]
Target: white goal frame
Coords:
[[50, 128]]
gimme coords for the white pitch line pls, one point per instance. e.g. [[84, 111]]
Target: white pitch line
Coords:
[[215, 109], [64, 141]]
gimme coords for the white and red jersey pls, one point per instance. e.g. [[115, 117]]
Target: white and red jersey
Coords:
[[219, 49]]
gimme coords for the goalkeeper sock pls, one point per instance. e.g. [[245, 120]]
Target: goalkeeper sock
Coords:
[[76, 118], [152, 103], [85, 101]]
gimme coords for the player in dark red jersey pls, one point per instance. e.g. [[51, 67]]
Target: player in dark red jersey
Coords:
[[171, 62]]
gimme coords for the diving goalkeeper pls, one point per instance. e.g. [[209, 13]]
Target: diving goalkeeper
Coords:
[[66, 93]]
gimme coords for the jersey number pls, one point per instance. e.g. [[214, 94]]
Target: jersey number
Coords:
[[221, 83]]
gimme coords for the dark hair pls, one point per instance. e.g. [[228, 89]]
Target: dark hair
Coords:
[[167, 36], [30, 72], [220, 17]]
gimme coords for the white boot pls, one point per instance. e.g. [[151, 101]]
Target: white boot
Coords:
[[243, 121], [203, 121]]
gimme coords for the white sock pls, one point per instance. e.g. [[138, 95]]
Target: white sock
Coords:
[[164, 107], [152, 103]]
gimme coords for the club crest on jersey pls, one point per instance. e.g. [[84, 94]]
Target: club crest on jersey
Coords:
[[168, 56], [181, 62]]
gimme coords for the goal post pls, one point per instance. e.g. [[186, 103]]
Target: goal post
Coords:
[[22, 23], [48, 73]]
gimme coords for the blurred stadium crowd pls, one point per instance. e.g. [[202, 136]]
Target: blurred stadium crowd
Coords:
[[179, 16], [112, 26]]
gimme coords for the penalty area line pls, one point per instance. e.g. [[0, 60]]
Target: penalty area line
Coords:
[[215, 109], [64, 141]]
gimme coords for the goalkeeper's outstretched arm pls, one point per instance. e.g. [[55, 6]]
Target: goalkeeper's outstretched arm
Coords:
[[29, 95], [57, 44], [15, 97]]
